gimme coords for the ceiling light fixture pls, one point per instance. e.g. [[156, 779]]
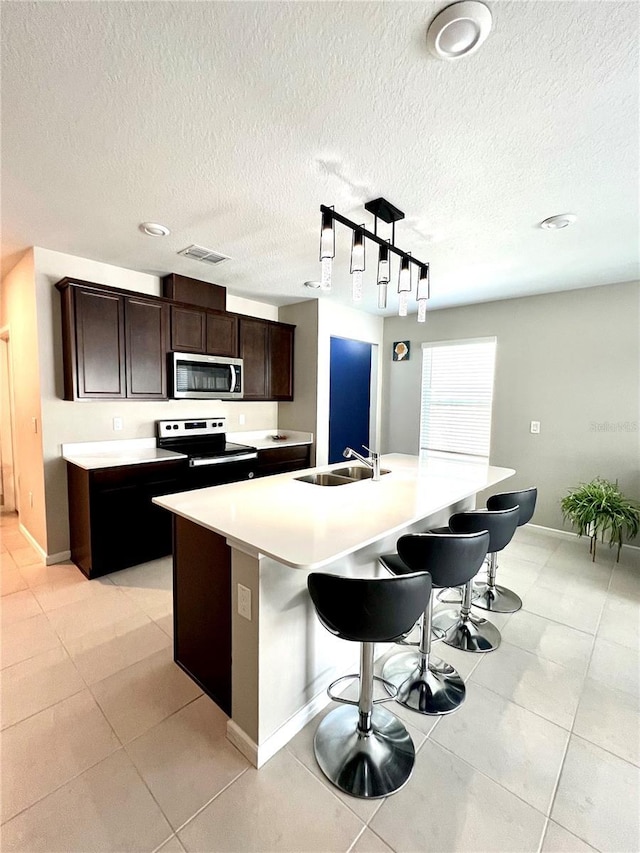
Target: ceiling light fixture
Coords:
[[381, 209], [562, 220], [459, 30], [154, 229]]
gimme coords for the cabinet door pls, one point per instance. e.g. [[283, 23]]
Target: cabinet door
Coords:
[[146, 334], [99, 329], [254, 342], [280, 361], [188, 329], [222, 334]]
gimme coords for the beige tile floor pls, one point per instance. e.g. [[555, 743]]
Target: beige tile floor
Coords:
[[108, 746]]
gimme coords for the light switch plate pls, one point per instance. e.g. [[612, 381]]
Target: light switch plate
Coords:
[[117, 424], [535, 427]]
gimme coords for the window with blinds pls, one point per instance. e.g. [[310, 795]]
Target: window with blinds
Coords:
[[457, 394]]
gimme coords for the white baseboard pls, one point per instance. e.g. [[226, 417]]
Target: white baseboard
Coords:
[[259, 754], [36, 547], [569, 534], [60, 557]]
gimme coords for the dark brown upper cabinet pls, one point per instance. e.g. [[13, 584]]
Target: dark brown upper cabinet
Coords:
[[207, 332], [146, 329], [114, 343], [188, 329], [267, 350]]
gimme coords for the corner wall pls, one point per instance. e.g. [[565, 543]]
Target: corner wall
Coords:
[[570, 360]]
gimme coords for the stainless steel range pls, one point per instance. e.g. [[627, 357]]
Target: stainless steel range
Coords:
[[212, 460]]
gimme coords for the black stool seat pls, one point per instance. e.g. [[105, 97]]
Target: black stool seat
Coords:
[[525, 499], [366, 751], [504, 523], [425, 683]]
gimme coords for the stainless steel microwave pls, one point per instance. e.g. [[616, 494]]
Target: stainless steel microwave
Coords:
[[206, 377]]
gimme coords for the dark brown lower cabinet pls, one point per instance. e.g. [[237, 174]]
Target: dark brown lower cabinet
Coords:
[[113, 523], [277, 460], [202, 608]]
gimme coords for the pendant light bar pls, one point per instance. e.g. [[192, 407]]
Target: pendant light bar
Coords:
[[384, 210], [337, 217]]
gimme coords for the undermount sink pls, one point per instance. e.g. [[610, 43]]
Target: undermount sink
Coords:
[[324, 479], [357, 472], [340, 476]]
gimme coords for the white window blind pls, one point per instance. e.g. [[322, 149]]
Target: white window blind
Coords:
[[457, 394]]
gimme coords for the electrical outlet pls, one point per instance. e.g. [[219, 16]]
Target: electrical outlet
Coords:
[[117, 424], [535, 427], [244, 601], [241, 420]]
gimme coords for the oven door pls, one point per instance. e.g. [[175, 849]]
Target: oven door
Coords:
[[200, 474], [206, 377]]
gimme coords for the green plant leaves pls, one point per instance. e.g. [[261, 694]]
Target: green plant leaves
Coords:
[[599, 507]]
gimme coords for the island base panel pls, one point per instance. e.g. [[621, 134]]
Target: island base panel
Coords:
[[202, 608]]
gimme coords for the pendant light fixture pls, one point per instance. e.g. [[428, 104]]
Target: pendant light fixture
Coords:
[[384, 210], [404, 287], [422, 293], [327, 247], [357, 264], [383, 275]]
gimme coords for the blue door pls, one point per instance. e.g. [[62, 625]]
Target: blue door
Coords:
[[349, 396]]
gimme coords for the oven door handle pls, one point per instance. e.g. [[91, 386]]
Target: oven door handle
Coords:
[[219, 460]]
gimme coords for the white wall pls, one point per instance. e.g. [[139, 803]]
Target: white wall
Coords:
[[569, 360]]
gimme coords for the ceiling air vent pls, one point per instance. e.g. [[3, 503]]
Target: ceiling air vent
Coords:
[[200, 253]]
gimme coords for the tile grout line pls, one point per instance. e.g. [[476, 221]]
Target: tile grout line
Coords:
[[571, 731]]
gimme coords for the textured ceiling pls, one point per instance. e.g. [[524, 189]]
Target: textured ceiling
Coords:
[[231, 123]]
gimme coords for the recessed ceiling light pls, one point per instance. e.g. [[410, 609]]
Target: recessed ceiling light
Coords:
[[314, 285], [153, 229], [459, 30], [562, 220]]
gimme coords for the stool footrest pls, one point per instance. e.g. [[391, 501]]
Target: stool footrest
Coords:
[[388, 686]]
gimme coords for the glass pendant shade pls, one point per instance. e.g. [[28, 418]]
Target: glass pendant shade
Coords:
[[403, 298], [327, 237], [325, 278], [383, 265], [423, 284], [382, 294], [357, 252], [356, 285], [357, 265], [422, 310], [404, 277]]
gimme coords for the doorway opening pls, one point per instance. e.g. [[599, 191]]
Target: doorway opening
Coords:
[[352, 384]]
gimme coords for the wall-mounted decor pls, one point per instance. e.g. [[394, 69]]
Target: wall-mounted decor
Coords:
[[401, 350]]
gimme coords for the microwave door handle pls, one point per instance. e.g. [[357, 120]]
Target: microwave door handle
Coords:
[[233, 377]]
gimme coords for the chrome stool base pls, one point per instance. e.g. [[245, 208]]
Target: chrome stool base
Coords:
[[435, 689], [368, 765], [472, 634], [498, 599]]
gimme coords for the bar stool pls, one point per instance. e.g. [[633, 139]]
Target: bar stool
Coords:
[[463, 629], [426, 683], [490, 596], [363, 749]]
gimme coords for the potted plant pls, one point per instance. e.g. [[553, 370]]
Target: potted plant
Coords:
[[599, 507]]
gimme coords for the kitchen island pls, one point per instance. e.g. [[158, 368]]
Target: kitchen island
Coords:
[[244, 625]]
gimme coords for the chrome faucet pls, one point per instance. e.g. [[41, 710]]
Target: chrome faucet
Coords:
[[373, 462]]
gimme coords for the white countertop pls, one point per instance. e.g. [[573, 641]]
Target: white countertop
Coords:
[[307, 526], [263, 441], [110, 454]]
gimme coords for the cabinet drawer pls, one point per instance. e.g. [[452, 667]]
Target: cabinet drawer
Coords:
[[281, 459]]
